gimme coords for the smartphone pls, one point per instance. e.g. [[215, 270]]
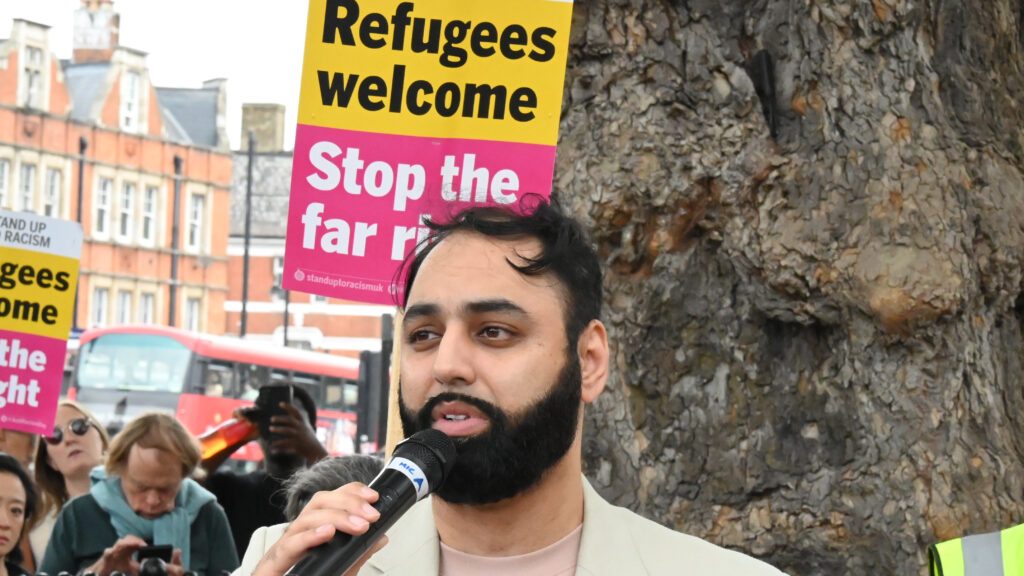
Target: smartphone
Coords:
[[269, 404], [161, 551]]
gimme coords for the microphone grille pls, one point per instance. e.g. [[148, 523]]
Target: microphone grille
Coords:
[[433, 450]]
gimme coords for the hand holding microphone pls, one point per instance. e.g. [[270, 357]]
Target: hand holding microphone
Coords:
[[337, 528]]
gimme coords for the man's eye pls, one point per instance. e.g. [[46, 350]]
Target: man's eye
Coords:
[[494, 332], [420, 336]]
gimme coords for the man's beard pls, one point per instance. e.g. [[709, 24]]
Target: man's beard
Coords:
[[516, 451]]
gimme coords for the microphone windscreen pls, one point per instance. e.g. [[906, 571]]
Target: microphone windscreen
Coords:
[[433, 450]]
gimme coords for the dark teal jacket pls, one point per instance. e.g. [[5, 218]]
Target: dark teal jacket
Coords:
[[83, 531]]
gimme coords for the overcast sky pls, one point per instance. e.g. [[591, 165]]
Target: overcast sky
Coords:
[[256, 44]]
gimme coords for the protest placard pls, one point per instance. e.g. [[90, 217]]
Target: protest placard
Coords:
[[38, 278], [413, 109]]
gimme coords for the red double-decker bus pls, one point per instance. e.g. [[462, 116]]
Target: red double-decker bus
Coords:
[[124, 371]]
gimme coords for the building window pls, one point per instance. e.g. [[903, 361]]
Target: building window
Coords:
[[101, 226], [130, 101], [195, 221], [5, 178], [124, 221], [192, 314], [147, 308], [99, 306], [27, 186], [149, 214], [277, 269], [33, 77], [124, 306], [317, 299], [51, 199]]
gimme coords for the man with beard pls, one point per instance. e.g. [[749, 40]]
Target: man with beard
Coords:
[[503, 347]]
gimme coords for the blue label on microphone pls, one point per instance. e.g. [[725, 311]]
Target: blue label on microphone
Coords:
[[414, 473]]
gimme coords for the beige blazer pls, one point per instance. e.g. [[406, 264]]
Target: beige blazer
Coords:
[[615, 542]]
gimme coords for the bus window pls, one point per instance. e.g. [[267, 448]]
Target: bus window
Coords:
[[133, 362], [251, 379], [351, 394], [333, 398], [218, 379], [340, 393]]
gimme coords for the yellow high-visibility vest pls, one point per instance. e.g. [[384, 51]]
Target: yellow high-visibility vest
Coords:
[[993, 554]]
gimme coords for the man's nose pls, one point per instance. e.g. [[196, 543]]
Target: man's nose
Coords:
[[452, 362], [152, 499]]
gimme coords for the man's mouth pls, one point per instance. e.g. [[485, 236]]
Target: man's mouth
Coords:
[[459, 419]]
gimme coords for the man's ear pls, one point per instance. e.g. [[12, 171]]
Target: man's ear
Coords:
[[592, 349]]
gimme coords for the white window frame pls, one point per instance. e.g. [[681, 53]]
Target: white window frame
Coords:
[[130, 90], [124, 306], [33, 77], [193, 313], [101, 207], [126, 211], [5, 183], [277, 271], [150, 201], [100, 301], [52, 196], [27, 186], [147, 308], [196, 222]]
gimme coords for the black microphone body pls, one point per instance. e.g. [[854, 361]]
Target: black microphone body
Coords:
[[418, 467]]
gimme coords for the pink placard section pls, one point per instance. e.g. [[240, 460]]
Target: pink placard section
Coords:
[[357, 200], [31, 370]]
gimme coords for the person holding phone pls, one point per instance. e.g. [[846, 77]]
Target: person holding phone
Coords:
[[285, 418], [144, 496]]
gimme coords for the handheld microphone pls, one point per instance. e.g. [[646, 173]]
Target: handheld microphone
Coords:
[[418, 467]]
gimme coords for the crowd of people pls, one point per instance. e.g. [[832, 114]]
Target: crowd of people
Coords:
[[79, 501]]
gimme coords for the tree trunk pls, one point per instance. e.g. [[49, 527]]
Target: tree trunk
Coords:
[[818, 335]]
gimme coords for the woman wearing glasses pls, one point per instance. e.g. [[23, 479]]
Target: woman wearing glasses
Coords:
[[63, 462], [17, 506]]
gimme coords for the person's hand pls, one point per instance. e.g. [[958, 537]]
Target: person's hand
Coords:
[[346, 509], [294, 435], [175, 567], [119, 557], [254, 431]]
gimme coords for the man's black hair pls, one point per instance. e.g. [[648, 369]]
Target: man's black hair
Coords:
[[565, 252], [10, 465]]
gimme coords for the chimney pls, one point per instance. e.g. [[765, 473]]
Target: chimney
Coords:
[[221, 86], [96, 31], [266, 121]]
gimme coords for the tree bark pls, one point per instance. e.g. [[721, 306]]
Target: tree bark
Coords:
[[818, 336]]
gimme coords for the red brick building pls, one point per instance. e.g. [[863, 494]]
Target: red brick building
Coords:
[[156, 168]]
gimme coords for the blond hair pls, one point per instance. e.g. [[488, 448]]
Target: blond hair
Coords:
[[53, 489], [155, 430]]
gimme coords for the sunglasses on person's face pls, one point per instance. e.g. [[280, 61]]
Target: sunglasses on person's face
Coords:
[[79, 426]]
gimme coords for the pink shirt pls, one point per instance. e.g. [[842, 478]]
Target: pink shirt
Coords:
[[558, 559]]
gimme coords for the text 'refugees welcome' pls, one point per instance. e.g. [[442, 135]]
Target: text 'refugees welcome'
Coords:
[[454, 41]]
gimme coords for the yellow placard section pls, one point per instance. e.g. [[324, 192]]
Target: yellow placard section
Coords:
[[474, 69], [37, 292]]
